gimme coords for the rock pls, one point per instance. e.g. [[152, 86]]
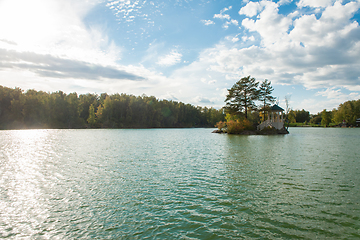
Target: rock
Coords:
[[217, 131]]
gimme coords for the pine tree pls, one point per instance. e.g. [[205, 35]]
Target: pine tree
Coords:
[[242, 96], [265, 94]]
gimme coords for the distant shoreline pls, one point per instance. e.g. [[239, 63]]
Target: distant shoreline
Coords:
[[321, 126], [88, 128]]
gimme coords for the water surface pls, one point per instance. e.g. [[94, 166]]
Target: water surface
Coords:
[[179, 184]]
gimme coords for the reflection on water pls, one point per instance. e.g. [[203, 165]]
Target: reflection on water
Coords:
[[179, 183], [21, 182]]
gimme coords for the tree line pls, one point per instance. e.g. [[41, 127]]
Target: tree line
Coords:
[[38, 109], [345, 114]]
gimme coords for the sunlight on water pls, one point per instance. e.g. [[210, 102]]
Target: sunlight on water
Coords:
[[179, 183], [21, 180]]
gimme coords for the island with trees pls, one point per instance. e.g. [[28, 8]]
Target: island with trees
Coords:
[[243, 115], [248, 105]]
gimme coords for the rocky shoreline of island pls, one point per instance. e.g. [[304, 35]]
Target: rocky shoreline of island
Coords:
[[272, 131]]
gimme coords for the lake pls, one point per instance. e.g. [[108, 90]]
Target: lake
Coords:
[[179, 184]]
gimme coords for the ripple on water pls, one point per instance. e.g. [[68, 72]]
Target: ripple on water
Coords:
[[178, 184]]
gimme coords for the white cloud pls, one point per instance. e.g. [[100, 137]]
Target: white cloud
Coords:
[[270, 25], [330, 93], [221, 15], [207, 22], [334, 96], [246, 38], [233, 39], [283, 2], [212, 82], [315, 4], [232, 21], [251, 9], [169, 96], [55, 28], [202, 100], [170, 59], [226, 17], [309, 51], [128, 11], [316, 51]]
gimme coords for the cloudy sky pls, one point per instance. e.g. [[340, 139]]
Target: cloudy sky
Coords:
[[184, 50]]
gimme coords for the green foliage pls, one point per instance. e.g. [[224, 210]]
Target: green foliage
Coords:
[[238, 126], [292, 116], [325, 118], [347, 112], [302, 116], [59, 110], [240, 101], [265, 97], [242, 96], [234, 126], [232, 117], [92, 118], [316, 119], [242, 113], [298, 116]]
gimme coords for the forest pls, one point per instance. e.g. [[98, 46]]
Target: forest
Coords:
[[345, 115], [38, 109]]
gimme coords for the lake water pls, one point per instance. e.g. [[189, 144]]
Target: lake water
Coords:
[[179, 184]]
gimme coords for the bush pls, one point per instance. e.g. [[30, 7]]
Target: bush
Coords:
[[238, 126], [220, 125]]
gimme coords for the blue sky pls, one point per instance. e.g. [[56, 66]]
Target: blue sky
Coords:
[[183, 50]]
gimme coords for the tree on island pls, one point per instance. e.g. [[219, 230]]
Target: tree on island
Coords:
[[242, 112], [265, 94], [242, 96]]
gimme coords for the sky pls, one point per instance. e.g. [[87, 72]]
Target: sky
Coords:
[[184, 50]]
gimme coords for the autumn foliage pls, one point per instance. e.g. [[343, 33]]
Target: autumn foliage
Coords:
[[235, 126]]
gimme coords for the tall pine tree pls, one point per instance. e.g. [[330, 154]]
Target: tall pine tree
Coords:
[[242, 96], [265, 94]]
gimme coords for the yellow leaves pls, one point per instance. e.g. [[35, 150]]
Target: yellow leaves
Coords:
[[235, 126]]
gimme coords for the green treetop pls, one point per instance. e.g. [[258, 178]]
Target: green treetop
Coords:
[[242, 95], [265, 94]]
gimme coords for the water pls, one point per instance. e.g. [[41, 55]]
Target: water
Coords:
[[179, 184]]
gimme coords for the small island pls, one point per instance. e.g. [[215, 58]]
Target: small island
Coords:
[[244, 117], [272, 126]]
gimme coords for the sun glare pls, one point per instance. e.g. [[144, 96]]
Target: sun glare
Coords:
[[25, 156], [28, 23]]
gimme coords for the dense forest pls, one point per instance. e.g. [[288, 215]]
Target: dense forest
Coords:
[[38, 109]]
